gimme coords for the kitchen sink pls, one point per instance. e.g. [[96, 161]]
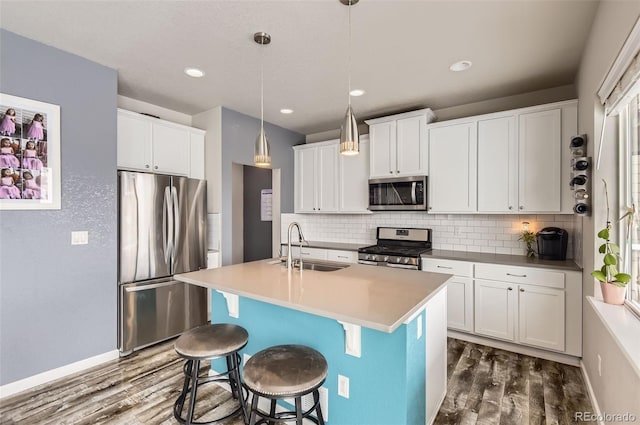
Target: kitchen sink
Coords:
[[319, 266]]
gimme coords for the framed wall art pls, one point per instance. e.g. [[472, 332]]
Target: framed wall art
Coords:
[[29, 154]]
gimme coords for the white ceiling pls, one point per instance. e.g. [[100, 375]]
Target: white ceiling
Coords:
[[401, 51]]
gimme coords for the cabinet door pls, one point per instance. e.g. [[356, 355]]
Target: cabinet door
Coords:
[[540, 162], [382, 138], [327, 179], [452, 168], [170, 149], [354, 180], [495, 304], [305, 184], [411, 146], [497, 165], [196, 156], [541, 317], [134, 142], [460, 304]]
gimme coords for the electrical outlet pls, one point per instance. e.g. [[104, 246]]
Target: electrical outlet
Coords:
[[245, 358], [599, 365], [343, 386]]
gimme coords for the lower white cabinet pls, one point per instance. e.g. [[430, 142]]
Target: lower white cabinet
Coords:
[[309, 253], [534, 307]]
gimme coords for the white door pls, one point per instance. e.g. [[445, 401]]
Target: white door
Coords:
[[327, 179], [170, 150], [460, 304], [410, 149], [382, 138], [134, 142], [541, 317], [497, 165], [495, 304], [452, 168], [540, 162], [305, 184], [354, 179]]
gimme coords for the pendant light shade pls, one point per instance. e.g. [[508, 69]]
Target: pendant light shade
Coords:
[[261, 154], [261, 151], [349, 137]]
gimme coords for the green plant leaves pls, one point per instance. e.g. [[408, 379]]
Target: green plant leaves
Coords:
[[610, 259], [603, 248], [603, 234], [599, 275], [623, 278]]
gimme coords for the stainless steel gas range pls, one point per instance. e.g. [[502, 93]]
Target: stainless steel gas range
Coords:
[[397, 247]]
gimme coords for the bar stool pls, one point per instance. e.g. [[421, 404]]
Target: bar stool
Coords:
[[285, 371], [210, 342]]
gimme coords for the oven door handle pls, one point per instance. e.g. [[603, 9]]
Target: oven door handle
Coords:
[[402, 266]]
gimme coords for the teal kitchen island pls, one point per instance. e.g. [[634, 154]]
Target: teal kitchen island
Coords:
[[381, 329]]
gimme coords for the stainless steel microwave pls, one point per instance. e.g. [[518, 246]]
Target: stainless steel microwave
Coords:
[[398, 194]]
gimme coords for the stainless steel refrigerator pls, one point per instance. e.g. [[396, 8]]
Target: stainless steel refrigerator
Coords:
[[162, 231]]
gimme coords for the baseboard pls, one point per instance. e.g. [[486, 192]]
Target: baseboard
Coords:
[[53, 374], [592, 395], [434, 415], [516, 348]]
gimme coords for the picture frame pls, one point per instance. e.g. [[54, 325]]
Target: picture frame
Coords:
[[29, 154]]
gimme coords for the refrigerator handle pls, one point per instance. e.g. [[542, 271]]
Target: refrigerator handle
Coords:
[[176, 215], [167, 225]]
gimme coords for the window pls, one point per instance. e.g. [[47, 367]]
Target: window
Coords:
[[630, 194]]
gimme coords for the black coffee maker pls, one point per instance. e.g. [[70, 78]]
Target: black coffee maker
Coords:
[[552, 243]]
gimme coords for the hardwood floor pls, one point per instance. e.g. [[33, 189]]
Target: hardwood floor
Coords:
[[486, 386], [491, 386]]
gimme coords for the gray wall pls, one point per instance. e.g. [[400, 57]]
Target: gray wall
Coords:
[[58, 302], [257, 233], [239, 133]]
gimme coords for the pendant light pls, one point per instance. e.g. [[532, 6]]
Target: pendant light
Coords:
[[261, 154], [349, 137]]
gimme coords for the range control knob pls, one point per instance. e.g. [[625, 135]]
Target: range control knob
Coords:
[[398, 259], [406, 261], [386, 258], [367, 257]]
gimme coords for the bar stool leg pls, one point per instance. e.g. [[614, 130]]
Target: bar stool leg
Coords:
[[298, 410], [316, 400], [195, 369], [234, 381]]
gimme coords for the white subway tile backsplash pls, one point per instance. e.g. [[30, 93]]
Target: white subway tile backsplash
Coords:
[[461, 232]]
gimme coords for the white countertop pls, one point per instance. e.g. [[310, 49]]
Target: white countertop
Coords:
[[380, 298]]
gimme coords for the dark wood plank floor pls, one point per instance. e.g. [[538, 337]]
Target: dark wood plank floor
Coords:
[[491, 386], [486, 386]]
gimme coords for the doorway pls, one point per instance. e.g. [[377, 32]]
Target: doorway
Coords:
[[257, 213]]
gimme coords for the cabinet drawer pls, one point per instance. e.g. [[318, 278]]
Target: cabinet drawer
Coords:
[[307, 253], [515, 274], [457, 268], [342, 256]]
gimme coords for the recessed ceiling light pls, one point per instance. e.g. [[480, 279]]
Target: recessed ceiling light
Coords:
[[460, 66], [286, 111], [194, 72], [357, 92]]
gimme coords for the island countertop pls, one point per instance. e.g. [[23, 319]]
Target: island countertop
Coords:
[[380, 298]]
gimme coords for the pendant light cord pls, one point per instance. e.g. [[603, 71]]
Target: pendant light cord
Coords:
[[349, 61], [262, 86]]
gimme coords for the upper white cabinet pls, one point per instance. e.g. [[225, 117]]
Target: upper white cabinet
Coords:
[[399, 144], [452, 164], [521, 162], [327, 182], [153, 145]]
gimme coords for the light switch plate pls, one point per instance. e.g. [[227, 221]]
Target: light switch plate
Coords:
[[343, 386], [79, 237]]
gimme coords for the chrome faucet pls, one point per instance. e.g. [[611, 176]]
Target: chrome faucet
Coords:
[[300, 239]]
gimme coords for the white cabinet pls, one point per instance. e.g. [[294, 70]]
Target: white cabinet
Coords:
[[540, 162], [309, 253], [459, 291], [517, 161], [522, 305], [153, 145], [497, 165], [354, 180], [342, 256], [327, 182], [452, 165], [316, 170], [399, 144]]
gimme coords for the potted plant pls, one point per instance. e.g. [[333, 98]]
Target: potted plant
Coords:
[[528, 237], [612, 283]]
